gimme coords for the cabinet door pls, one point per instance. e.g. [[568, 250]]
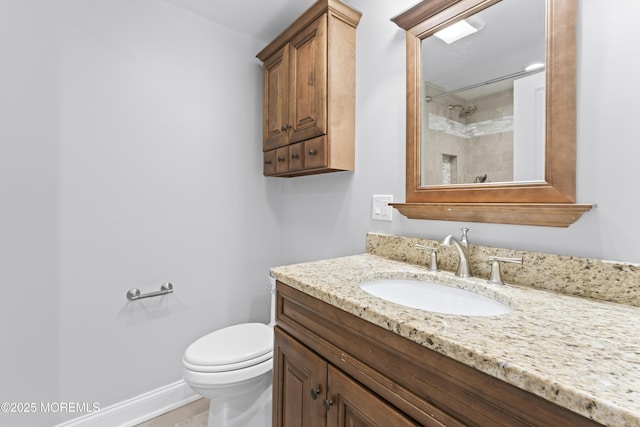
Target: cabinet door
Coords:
[[299, 384], [308, 72], [351, 405], [276, 100]]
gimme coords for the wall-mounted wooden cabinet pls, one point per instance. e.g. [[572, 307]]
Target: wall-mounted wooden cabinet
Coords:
[[309, 93]]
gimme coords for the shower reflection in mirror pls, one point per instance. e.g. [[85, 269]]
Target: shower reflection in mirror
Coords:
[[483, 111], [478, 134]]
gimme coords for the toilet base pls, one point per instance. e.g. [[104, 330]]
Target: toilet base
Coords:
[[247, 408]]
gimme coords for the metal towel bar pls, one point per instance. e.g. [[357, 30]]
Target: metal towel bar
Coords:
[[134, 294]]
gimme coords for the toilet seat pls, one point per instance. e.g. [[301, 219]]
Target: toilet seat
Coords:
[[231, 348], [215, 380]]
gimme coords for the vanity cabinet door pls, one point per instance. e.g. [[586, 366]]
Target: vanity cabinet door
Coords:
[[350, 404], [299, 384]]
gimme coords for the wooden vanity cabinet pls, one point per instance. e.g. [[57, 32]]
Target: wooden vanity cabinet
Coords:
[[332, 368], [309, 92]]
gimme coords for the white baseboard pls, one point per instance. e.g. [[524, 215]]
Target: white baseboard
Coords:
[[138, 409]]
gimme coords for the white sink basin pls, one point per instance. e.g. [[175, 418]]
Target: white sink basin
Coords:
[[434, 297]]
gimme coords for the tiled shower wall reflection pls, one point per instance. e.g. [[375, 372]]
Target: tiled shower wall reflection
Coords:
[[458, 149]]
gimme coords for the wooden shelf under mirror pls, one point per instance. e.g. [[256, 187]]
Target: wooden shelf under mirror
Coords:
[[546, 198], [543, 214]]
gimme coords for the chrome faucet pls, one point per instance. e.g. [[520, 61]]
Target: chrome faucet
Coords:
[[462, 246]]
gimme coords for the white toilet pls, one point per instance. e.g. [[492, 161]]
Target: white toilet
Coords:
[[232, 368]]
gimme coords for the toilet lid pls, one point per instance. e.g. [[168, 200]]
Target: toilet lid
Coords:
[[231, 348]]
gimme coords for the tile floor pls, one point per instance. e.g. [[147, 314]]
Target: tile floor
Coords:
[[192, 415]]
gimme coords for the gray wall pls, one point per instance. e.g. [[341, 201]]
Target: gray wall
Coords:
[[29, 208], [129, 157]]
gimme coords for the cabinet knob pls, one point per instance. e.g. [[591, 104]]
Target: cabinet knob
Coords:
[[285, 128], [312, 152], [315, 392], [281, 159], [327, 404], [294, 156], [267, 162]]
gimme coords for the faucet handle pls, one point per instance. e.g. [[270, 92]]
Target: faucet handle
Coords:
[[496, 276], [464, 239], [433, 258]]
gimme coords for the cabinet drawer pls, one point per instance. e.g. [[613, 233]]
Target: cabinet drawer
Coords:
[[296, 157], [269, 163], [282, 160], [315, 153]]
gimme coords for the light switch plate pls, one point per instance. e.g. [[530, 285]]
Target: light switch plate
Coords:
[[381, 210]]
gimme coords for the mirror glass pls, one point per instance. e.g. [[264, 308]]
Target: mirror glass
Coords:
[[483, 98]]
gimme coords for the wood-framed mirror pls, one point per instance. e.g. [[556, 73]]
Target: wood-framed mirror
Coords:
[[546, 199]]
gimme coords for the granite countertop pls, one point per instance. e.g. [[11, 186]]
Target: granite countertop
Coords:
[[579, 353]]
